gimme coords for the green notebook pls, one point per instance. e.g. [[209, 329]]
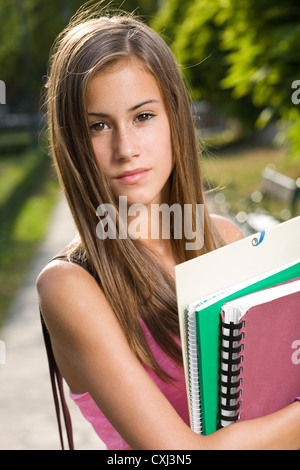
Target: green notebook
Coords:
[[203, 329]]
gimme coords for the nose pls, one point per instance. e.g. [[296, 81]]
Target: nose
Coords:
[[126, 144]]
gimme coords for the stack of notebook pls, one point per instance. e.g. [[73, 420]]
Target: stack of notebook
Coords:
[[239, 310]]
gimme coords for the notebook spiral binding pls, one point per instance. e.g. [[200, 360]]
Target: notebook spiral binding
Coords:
[[230, 374], [195, 399]]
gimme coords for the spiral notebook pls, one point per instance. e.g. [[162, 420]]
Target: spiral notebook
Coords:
[[203, 344], [260, 353], [203, 284]]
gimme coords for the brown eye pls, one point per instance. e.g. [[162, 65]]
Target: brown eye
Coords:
[[98, 126], [144, 117]]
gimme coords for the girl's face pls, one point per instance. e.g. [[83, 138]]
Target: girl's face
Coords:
[[130, 132]]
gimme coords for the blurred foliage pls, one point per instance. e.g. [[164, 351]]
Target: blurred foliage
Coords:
[[240, 56], [234, 176], [28, 193], [28, 30]]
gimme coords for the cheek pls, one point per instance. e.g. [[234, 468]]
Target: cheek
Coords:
[[166, 145], [161, 141], [101, 154]]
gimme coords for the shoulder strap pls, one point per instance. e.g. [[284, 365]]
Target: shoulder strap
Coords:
[[58, 391], [56, 378]]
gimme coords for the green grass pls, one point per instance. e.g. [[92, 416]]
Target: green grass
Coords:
[[14, 141], [28, 192], [235, 175], [13, 169]]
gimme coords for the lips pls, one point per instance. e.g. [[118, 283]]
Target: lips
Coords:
[[133, 176]]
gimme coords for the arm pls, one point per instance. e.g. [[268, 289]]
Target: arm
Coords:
[[94, 356]]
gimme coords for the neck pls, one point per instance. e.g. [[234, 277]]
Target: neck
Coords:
[[152, 229]]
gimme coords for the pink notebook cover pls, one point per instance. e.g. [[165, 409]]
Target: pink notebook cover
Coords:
[[271, 357]]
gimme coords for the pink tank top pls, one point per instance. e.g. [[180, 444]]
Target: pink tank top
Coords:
[[175, 392]]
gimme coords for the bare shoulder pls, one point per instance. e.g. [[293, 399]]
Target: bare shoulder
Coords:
[[59, 276], [228, 230], [63, 287]]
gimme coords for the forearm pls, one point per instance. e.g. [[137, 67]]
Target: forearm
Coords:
[[278, 431]]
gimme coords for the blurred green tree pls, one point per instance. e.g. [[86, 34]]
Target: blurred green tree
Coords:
[[241, 56], [194, 31], [263, 39], [28, 30]]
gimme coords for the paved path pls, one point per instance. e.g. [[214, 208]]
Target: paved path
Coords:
[[27, 414]]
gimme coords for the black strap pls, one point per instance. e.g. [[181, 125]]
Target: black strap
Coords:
[[55, 375], [58, 391]]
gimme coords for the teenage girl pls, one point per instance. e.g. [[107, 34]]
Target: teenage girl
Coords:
[[120, 126]]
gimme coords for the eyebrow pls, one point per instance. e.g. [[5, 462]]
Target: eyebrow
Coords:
[[134, 108]]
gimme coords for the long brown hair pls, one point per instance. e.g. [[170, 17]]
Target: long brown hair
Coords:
[[129, 275]]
